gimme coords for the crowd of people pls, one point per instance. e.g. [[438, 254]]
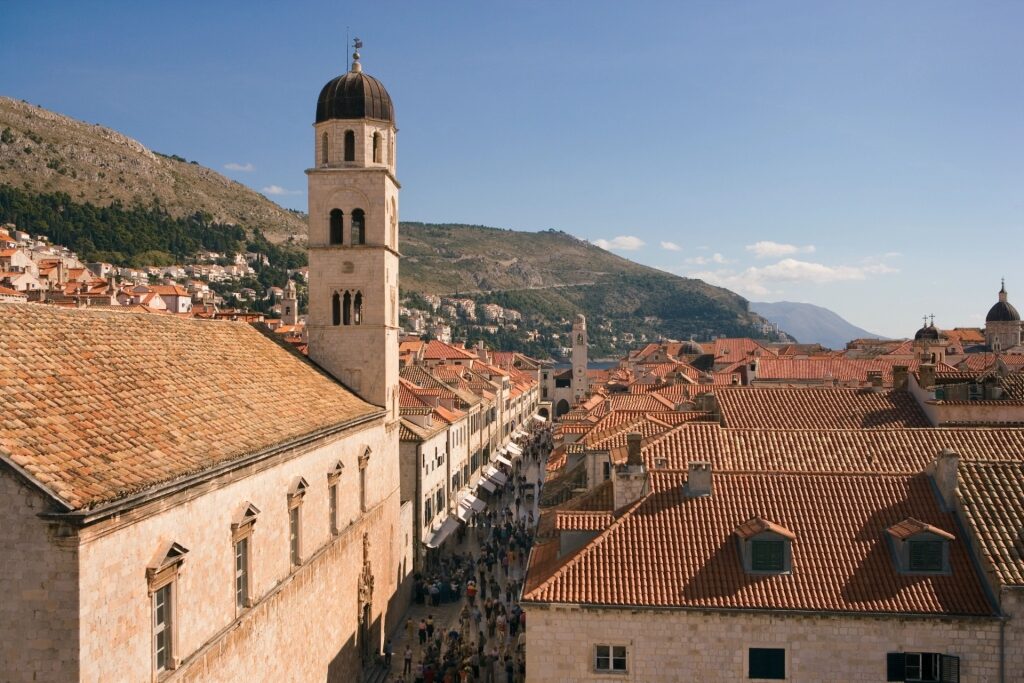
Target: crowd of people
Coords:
[[486, 643]]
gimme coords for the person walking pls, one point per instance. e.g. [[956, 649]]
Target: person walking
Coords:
[[423, 632], [407, 668]]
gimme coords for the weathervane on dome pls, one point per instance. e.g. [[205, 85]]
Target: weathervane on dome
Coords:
[[356, 45]]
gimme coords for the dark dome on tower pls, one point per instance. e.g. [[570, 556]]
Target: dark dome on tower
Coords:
[[1003, 310], [354, 95], [927, 333]]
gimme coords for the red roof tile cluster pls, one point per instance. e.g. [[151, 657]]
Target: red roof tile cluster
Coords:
[[818, 408], [992, 495]]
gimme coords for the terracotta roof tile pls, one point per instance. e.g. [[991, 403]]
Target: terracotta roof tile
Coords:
[[992, 494], [819, 408]]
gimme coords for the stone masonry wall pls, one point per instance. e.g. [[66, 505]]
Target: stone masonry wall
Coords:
[[677, 645], [38, 590]]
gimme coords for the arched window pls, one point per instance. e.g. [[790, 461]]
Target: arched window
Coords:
[[358, 227], [347, 309], [337, 230], [336, 309], [350, 146], [323, 149], [376, 148], [357, 309]]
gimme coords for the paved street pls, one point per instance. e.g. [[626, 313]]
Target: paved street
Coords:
[[488, 651]]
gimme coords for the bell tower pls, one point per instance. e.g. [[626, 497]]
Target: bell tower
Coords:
[[353, 238], [580, 381]]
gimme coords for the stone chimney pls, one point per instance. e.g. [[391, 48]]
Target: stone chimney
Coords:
[[875, 379], [698, 480], [944, 473], [926, 375], [899, 377], [629, 482]]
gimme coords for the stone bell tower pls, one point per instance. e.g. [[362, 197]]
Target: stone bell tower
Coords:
[[353, 238], [580, 381]]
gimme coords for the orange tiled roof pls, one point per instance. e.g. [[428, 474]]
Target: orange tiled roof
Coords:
[[818, 408], [99, 404], [674, 551], [437, 350], [992, 494]]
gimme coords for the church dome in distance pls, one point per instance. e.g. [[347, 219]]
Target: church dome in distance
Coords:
[[354, 95], [1003, 310], [927, 333]]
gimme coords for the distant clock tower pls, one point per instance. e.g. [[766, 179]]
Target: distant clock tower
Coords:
[[580, 382], [353, 238]]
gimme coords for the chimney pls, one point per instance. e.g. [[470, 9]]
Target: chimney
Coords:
[[698, 480], [944, 474], [926, 375], [633, 441], [875, 379], [899, 377]]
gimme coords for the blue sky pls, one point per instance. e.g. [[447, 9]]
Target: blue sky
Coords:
[[867, 157]]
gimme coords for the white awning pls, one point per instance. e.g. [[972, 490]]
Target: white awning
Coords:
[[487, 485], [519, 433], [514, 449], [473, 503], [502, 459], [540, 418], [495, 475], [447, 527]]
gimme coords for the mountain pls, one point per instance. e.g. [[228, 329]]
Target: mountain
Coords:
[[45, 152], [550, 276], [811, 324]]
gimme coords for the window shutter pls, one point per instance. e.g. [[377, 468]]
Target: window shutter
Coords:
[[950, 669], [926, 555], [895, 666]]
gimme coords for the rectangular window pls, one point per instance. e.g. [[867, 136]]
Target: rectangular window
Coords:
[[332, 507], [925, 556], [242, 573], [767, 662], [922, 667], [610, 658], [767, 556], [162, 616], [294, 534], [606, 470]]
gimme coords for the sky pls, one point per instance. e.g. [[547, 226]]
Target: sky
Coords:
[[863, 156]]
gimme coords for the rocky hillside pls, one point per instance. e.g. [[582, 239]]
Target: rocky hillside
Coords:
[[812, 324], [45, 152]]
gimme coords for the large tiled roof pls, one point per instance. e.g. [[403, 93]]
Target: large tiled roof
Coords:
[[98, 404], [825, 408], [674, 551], [838, 450], [993, 503]]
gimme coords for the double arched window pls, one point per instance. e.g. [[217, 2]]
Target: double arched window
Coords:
[[358, 227], [350, 146], [337, 226], [347, 308]]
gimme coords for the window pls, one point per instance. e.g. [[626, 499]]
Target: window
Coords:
[[428, 511], [332, 507], [350, 146], [242, 573], [294, 533], [358, 227], [606, 470], [376, 148], [337, 226], [767, 662], [922, 667], [610, 658], [323, 149], [925, 556], [767, 556], [346, 309], [357, 309], [162, 626], [336, 309]]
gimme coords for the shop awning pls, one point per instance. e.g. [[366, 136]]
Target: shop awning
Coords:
[[487, 485], [447, 527], [540, 418], [518, 434], [473, 503], [514, 449], [502, 459], [495, 475]]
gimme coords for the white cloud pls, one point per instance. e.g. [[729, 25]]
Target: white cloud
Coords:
[[768, 249], [278, 190], [715, 258], [620, 243], [765, 280], [235, 166], [671, 246]]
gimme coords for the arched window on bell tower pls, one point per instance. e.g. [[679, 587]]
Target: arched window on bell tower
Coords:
[[358, 227], [376, 148], [336, 309], [324, 156], [347, 309], [350, 146], [357, 309], [337, 226]]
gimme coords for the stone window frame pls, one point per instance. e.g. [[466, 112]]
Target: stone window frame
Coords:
[[902, 547], [747, 553], [242, 530], [296, 495], [333, 477], [364, 463], [944, 667], [609, 668], [163, 572], [765, 650]]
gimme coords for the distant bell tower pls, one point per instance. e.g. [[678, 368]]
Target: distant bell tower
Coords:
[[580, 383], [353, 238], [290, 304]]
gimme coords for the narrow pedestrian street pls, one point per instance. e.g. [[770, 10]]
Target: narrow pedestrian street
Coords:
[[465, 624]]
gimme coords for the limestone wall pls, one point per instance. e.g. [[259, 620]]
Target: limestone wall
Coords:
[[677, 645]]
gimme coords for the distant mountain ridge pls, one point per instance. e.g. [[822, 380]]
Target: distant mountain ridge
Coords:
[[46, 152], [811, 324]]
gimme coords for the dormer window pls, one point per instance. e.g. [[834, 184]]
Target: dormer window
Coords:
[[920, 548], [765, 547]]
